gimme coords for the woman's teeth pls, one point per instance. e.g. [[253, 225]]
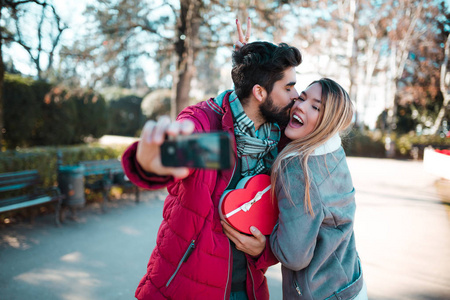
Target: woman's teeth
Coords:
[[297, 118]]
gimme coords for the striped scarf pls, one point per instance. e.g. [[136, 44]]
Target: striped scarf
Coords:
[[257, 150]]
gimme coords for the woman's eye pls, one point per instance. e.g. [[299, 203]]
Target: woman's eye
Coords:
[[316, 108]]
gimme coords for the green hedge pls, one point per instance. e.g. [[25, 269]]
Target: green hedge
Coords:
[[404, 144], [36, 114], [44, 159], [125, 116], [363, 143], [407, 146], [21, 110]]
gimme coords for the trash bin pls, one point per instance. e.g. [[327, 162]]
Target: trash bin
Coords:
[[71, 184], [119, 178]]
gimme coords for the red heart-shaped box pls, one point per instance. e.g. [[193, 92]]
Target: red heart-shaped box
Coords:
[[262, 213]]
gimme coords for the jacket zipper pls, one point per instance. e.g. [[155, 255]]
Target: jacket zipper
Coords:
[[228, 273], [253, 282], [183, 260], [229, 245], [297, 288]]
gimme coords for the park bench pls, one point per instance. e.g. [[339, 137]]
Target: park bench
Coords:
[[101, 175], [22, 190]]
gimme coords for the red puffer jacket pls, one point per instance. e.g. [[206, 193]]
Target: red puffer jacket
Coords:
[[192, 258]]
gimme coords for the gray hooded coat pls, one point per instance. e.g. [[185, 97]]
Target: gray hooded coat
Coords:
[[318, 253]]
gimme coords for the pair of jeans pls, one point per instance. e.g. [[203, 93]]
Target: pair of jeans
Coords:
[[240, 295]]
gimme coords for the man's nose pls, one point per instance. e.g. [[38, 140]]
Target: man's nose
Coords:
[[294, 94]]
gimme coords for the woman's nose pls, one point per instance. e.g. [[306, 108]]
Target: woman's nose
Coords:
[[298, 104]]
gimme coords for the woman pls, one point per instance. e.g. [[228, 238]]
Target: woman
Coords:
[[314, 238]]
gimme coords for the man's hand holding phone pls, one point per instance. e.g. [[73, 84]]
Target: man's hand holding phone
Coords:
[[152, 137]]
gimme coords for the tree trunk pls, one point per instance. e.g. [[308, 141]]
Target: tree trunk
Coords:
[[188, 28], [183, 88], [369, 67], [352, 56], [400, 50], [444, 89]]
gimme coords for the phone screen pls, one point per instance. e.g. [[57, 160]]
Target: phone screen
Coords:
[[200, 150]]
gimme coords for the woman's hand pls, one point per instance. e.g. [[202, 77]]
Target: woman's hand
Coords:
[[242, 39]]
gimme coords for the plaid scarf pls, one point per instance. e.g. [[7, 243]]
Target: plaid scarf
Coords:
[[257, 150]]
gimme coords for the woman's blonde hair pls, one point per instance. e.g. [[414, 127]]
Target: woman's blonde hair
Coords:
[[335, 115]]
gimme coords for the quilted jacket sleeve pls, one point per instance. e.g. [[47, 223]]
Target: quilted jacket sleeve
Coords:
[[265, 259]]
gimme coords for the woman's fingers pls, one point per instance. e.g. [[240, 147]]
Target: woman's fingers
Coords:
[[239, 30], [249, 28], [239, 44], [243, 38]]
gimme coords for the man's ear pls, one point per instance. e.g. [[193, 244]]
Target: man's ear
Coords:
[[259, 92]]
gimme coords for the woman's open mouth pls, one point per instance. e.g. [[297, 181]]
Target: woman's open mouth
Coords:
[[296, 121]]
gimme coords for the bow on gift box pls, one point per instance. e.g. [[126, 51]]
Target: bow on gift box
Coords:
[[249, 205], [246, 206]]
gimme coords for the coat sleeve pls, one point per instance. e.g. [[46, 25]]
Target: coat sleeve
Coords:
[[265, 259], [294, 237]]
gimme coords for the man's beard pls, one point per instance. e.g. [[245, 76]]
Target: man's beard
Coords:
[[273, 114]]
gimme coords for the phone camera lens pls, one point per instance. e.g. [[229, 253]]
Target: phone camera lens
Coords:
[[171, 150]]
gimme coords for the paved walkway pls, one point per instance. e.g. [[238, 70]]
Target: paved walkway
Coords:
[[402, 230], [402, 234]]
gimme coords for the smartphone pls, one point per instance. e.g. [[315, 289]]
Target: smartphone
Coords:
[[208, 150]]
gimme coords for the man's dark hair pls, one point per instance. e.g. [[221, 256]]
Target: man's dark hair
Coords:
[[261, 63]]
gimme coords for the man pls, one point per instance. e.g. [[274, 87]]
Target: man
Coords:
[[193, 258]]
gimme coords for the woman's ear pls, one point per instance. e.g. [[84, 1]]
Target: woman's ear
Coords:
[[259, 93]]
